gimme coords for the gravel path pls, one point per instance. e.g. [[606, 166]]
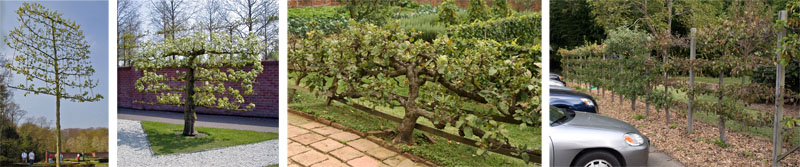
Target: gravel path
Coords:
[[134, 150]]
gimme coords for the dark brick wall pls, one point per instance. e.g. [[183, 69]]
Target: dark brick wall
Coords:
[[265, 93]]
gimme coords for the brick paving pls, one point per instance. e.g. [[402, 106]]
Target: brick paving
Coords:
[[313, 144]]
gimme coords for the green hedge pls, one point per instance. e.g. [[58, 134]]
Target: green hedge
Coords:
[[427, 25], [765, 75], [525, 29], [328, 19]]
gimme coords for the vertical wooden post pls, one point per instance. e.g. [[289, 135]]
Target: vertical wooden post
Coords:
[[692, 54], [780, 74]]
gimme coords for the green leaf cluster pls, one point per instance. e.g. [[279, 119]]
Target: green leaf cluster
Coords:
[[223, 69], [386, 66]]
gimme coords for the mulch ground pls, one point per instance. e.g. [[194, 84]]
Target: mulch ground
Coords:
[[697, 148]]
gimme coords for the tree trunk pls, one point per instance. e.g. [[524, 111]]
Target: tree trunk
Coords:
[[633, 103], [722, 130], [296, 83], [612, 96], [406, 128], [647, 104], [57, 77], [58, 129], [332, 91], [189, 114]]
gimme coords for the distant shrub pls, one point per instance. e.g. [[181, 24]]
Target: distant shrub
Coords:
[[525, 29], [425, 24], [501, 8], [477, 10], [447, 12], [328, 19]]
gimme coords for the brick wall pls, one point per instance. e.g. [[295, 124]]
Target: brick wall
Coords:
[[519, 5], [265, 93]]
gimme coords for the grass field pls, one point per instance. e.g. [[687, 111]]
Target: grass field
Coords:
[[165, 138], [714, 80]]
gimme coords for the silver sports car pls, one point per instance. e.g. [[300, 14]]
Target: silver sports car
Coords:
[[592, 140]]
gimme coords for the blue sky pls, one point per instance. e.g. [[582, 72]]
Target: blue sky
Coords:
[[93, 18]]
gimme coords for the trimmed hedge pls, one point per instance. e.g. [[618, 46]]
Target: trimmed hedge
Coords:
[[525, 29], [328, 19], [426, 25]]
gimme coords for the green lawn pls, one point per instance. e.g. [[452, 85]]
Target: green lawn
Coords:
[[444, 152], [714, 80], [165, 138]]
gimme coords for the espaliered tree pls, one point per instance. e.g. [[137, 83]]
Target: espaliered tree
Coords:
[[716, 41], [213, 73], [387, 67], [631, 48], [51, 52]]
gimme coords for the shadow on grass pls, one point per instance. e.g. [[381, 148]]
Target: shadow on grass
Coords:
[[165, 138], [174, 142]]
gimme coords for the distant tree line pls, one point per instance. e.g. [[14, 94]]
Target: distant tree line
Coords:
[[159, 20]]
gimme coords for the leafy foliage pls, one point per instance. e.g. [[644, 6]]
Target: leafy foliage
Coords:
[[54, 53], [477, 11], [425, 24], [447, 12], [434, 80], [328, 19], [207, 69], [369, 11], [501, 8], [523, 30]]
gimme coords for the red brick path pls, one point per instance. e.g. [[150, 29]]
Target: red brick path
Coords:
[[314, 144]]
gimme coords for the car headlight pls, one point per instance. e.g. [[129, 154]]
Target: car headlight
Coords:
[[587, 101], [633, 139]]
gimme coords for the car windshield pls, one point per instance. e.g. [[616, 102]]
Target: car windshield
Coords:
[[559, 115]]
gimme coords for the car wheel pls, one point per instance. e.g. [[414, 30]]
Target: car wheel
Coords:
[[597, 159]]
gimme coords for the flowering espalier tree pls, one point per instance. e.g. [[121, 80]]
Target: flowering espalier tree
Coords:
[[208, 71], [437, 81], [52, 51]]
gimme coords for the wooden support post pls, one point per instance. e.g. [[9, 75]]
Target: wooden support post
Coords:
[[691, 75], [780, 74]]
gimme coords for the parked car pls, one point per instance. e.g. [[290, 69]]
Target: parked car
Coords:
[[554, 82], [588, 139], [568, 98], [554, 76]]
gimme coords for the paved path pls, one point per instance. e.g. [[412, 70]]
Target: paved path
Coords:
[[217, 121], [134, 150], [314, 144], [657, 158]]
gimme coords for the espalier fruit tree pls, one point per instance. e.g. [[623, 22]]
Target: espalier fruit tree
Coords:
[[51, 52], [385, 66], [213, 73]]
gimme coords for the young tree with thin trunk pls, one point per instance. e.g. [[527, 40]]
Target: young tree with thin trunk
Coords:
[[207, 71], [52, 51]]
